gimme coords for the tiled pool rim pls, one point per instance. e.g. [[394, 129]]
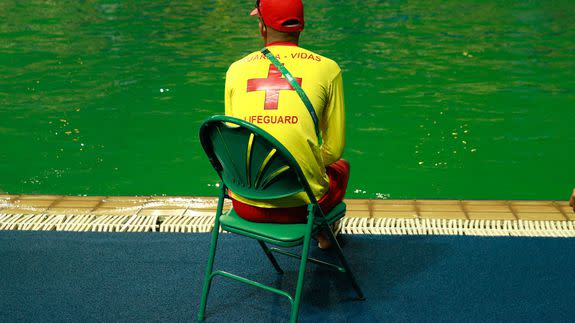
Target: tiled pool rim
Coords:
[[364, 216]]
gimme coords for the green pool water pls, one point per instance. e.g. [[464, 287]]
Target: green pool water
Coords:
[[445, 99]]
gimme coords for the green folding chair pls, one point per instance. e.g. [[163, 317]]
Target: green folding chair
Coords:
[[251, 163]]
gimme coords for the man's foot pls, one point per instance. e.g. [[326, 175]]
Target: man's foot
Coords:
[[322, 237], [323, 241]]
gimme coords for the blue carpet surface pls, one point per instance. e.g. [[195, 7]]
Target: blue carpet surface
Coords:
[[95, 277]]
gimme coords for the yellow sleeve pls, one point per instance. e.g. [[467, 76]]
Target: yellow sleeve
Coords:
[[228, 95], [333, 123]]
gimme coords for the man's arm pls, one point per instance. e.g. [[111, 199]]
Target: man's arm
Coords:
[[228, 95], [333, 123]]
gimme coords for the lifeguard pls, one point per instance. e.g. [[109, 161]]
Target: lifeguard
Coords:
[[257, 92]]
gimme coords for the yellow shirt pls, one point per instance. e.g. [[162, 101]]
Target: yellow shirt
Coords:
[[257, 92]]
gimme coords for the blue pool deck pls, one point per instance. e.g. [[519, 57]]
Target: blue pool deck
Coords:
[[120, 258]]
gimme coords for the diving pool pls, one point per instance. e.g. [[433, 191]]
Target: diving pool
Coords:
[[445, 99]]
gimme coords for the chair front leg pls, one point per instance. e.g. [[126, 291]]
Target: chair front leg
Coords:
[[303, 264], [343, 261], [213, 245]]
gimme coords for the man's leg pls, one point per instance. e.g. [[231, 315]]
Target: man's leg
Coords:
[[338, 173]]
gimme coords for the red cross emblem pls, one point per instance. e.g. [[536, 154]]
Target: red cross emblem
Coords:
[[273, 84]]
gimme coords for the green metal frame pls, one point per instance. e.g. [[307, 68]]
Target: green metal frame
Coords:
[[252, 163]]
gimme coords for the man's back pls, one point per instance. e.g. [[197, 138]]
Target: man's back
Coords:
[[257, 92]]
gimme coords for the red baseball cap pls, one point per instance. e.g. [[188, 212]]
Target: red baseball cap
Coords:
[[281, 15]]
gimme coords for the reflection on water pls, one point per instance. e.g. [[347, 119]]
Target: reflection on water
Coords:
[[452, 99]]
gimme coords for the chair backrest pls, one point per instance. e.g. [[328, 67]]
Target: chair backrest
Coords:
[[251, 162]]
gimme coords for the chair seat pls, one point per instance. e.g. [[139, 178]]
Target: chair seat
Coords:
[[285, 235]]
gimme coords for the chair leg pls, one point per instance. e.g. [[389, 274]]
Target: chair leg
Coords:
[[301, 273], [208, 275], [210, 266], [271, 257], [344, 262]]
